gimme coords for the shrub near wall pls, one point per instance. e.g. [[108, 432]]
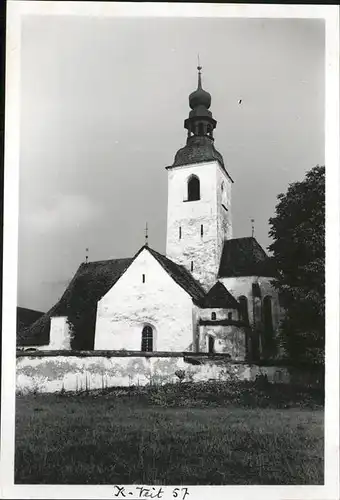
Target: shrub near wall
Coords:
[[247, 394]]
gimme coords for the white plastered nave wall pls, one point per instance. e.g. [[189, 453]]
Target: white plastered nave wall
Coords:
[[159, 302]]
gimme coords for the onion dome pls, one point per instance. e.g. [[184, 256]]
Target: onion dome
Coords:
[[200, 125], [199, 97]]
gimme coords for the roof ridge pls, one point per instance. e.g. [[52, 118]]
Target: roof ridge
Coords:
[[107, 260], [184, 272], [219, 292]]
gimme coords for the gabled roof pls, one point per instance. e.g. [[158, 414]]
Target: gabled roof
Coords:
[[244, 257], [182, 277], [92, 280], [218, 296]]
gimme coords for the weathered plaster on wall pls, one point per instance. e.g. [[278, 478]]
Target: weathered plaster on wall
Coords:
[[75, 374], [131, 304], [229, 339], [60, 337]]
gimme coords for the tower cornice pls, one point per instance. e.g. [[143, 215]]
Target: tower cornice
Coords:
[[200, 164]]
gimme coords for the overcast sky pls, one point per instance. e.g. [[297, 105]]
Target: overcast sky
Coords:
[[103, 102]]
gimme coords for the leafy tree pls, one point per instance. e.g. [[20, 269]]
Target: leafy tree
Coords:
[[298, 230]]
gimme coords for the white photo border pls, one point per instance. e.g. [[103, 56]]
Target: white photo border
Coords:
[[16, 10]]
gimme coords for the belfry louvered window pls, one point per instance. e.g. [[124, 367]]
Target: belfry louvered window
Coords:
[[147, 339]]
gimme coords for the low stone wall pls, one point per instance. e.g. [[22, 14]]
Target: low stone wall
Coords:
[[54, 373]]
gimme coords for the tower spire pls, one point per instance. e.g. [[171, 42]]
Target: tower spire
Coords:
[[200, 122], [200, 126]]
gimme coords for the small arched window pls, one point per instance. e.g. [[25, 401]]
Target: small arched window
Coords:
[[192, 266], [244, 309], [193, 188], [230, 315], [147, 339], [213, 316], [222, 187]]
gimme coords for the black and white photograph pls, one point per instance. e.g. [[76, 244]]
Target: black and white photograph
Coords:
[[171, 201]]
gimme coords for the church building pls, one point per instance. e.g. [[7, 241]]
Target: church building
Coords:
[[210, 292]]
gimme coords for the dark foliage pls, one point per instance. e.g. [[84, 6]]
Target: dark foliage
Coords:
[[259, 393], [26, 317], [298, 230]]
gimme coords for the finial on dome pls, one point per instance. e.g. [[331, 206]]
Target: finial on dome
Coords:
[[199, 97], [199, 67]]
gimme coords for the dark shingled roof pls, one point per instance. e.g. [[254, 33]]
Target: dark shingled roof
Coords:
[[218, 296], [198, 149], [91, 282], [26, 317], [93, 279], [245, 257]]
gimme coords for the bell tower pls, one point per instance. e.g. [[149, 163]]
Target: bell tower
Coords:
[[199, 195]]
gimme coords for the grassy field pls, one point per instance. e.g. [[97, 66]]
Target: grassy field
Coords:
[[110, 440]]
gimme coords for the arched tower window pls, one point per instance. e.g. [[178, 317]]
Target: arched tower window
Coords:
[[213, 316], [193, 188], [147, 339], [244, 309]]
